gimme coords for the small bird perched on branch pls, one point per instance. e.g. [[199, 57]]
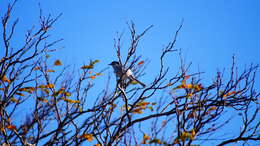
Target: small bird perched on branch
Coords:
[[123, 74]]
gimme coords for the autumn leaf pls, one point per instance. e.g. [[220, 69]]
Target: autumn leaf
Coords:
[[97, 144], [11, 127], [50, 70], [37, 68], [184, 135], [87, 67], [41, 86], [5, 79], [137, 111], [88, 137], [50, 86], [145, 138], [98, 74], [142, 103], [14, 100], [67, 94], [92, 77], [212, 108], [57, 63], [70, 100], [193, 134], [141, 62]]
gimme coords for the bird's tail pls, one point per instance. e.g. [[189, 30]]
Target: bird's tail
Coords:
[[139, 82]]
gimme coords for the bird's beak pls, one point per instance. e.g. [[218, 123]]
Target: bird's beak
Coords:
[[109, 64]]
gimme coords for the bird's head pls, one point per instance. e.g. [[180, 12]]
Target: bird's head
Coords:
[[114, 63]]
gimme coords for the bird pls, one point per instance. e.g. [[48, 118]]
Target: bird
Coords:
[[123, 74]]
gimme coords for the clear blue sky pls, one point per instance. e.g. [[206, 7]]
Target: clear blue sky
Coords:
[[213, 30]]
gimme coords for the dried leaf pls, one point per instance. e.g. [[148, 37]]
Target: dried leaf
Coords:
[[57, 63], [37, 68], [141, 62], [88, 137], [92, 77], [87, 67], [5, 79], [70, 100], [11, 127], [14, 100], [50, 86], [50, 70]]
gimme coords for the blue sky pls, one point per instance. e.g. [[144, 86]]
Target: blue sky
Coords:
[[213, 30]]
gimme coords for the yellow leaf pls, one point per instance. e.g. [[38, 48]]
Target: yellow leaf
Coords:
[[142, 103], [137, 111], [50, 70], [14, 100], [87, 67], [67, 94], [212, 108], [193, 134], [97, 144], [96, 61], [70, 100], [41, 86], [145, 138], [57, 63], [189, 95], [50, 86], [184, 135], [98, 74], [88, 137], [150, 108], [5, 79]]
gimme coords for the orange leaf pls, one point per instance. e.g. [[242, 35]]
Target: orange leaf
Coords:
[[92, 77], [137, 111], [230, 93], [57, 63], [5, 79], [87, 67], [89, 137], [50, 70], [37, 68], [11, 127], [50, 85], [141, 62], [15, 100]]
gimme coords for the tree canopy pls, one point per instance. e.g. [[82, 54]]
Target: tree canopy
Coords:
[[46, 102]]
